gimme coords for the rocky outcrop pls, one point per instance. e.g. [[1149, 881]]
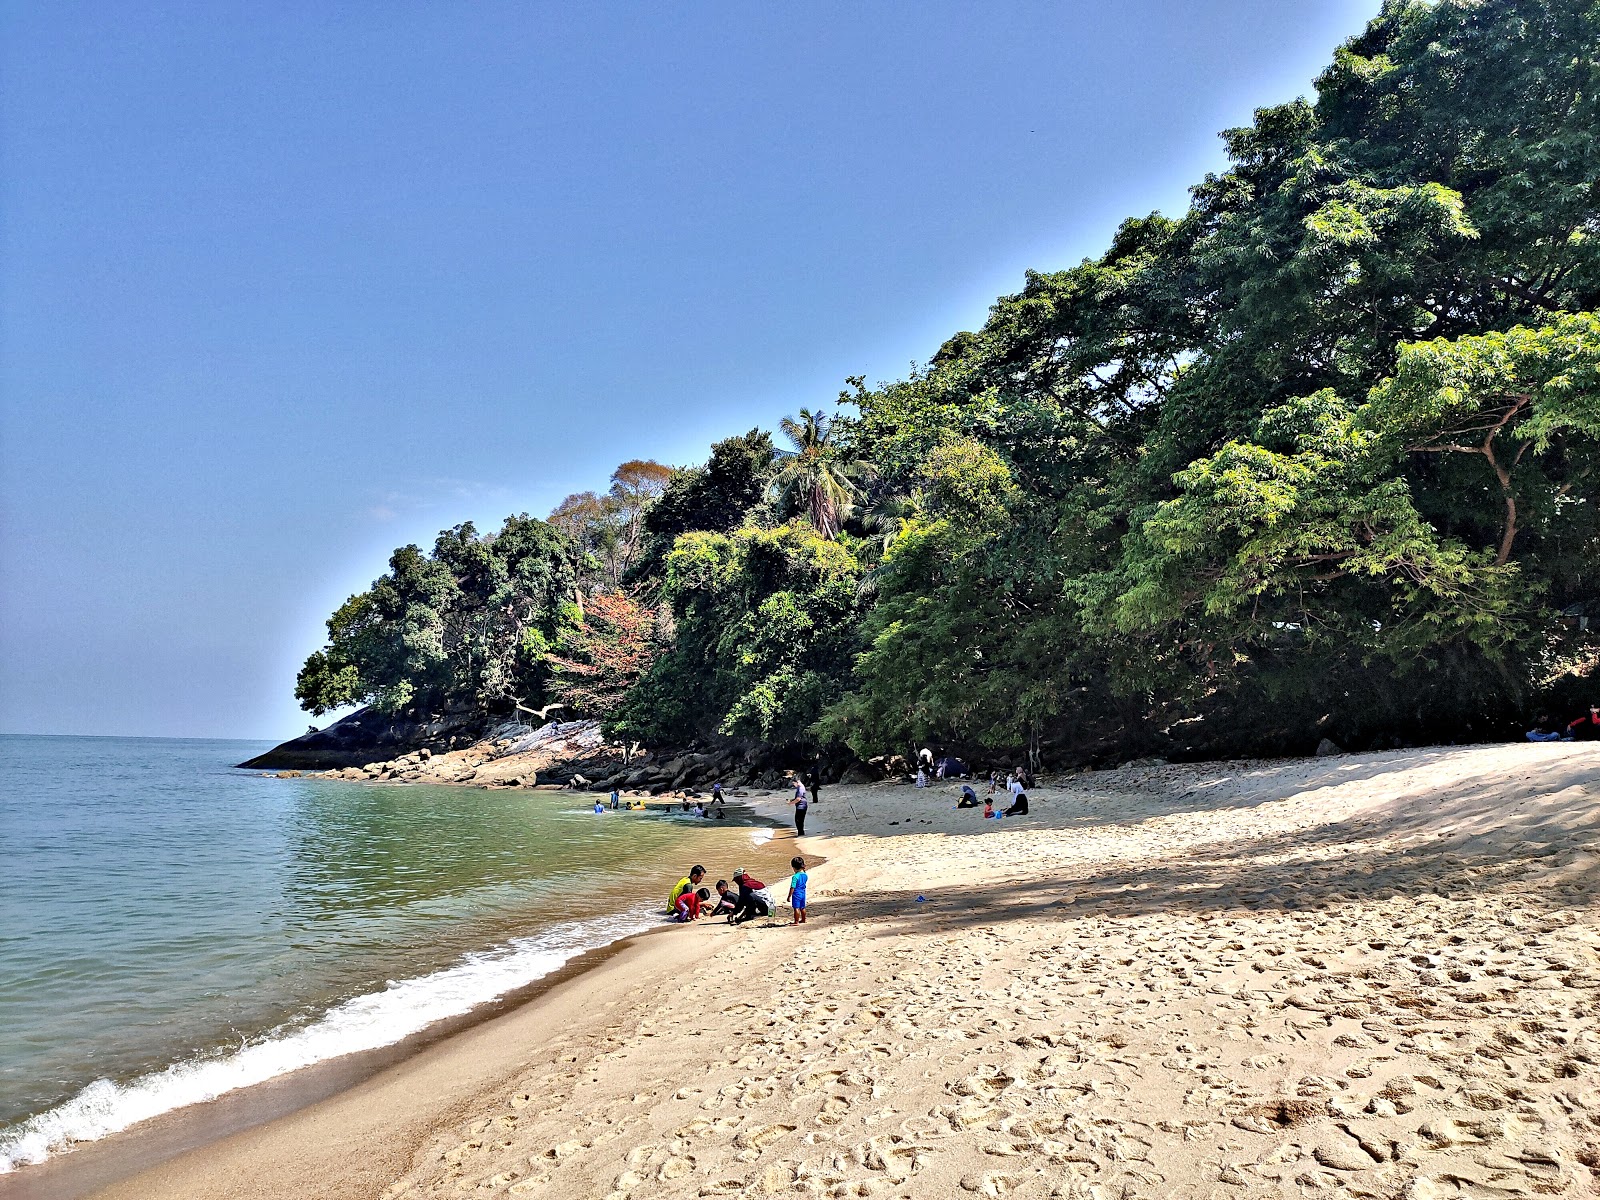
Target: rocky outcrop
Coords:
[[571, 754], [367, 735]]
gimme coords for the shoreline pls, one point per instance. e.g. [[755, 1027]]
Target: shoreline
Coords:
[[104, 1164], [1369, 974], [88, 1167]]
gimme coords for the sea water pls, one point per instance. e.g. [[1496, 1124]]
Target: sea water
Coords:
[[172, 928]]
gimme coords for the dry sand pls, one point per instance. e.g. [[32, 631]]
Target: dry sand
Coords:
[[1373, 975]]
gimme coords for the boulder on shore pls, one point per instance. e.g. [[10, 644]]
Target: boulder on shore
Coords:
[[367, 736]]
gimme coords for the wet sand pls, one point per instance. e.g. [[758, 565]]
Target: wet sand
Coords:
[[1371, 975]]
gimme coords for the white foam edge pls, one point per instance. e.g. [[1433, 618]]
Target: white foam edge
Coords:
[[364, 1022]]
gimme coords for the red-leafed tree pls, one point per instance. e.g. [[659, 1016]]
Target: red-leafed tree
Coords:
[[598, 658]]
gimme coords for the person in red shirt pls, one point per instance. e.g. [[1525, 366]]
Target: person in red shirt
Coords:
[[1586, 729], [689, 904]]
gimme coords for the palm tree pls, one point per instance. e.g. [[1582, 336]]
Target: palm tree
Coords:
[[814, 475]]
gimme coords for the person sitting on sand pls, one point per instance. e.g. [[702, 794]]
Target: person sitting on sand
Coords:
[[754, 899], [969, 798], [988, 807], [1019, 806], [727, 900], [687, 884], [1541, 731], [689, 905], [1586, 729]]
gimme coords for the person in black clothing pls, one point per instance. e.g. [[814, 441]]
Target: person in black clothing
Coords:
[[1019, 806], [969, 798], [727, 900], [754, 899]]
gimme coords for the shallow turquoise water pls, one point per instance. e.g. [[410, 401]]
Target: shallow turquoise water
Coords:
[[158, 907]]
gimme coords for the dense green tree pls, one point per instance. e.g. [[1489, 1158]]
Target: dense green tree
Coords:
[[764, 629], [1316, 457], [713, 498], [466, 626], [1206, 510]]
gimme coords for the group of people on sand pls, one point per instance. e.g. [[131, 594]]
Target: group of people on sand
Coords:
[[1016, 784], [1585, 729], [743, 900], [946, 767]]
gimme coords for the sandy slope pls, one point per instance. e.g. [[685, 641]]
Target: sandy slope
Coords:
[[1374, 975]]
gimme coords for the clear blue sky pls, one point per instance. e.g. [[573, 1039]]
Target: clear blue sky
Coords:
[[283, 286]]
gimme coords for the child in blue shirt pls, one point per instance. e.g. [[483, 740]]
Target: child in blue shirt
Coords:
[[797, 890]]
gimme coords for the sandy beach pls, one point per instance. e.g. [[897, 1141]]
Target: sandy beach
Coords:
[[1367, 975]]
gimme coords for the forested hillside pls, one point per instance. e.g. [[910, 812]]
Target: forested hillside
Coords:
[[1316, 458]]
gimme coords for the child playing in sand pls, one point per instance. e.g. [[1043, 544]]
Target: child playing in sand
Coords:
[[689, 905], [988, 807], [797, 890], [727, 900]]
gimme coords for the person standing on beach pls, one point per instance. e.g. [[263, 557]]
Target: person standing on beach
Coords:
[[797, 891], [801, 802]]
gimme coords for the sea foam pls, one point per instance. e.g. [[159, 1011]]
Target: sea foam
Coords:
[[366, 1022]]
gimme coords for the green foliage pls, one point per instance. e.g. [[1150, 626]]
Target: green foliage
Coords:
[[465, 626], [819, 478], [764, 629], [714, 498], [1317, 457], [1209, 536]]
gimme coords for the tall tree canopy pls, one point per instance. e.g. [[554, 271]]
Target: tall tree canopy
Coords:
[[466, 626], [1316, 457]]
